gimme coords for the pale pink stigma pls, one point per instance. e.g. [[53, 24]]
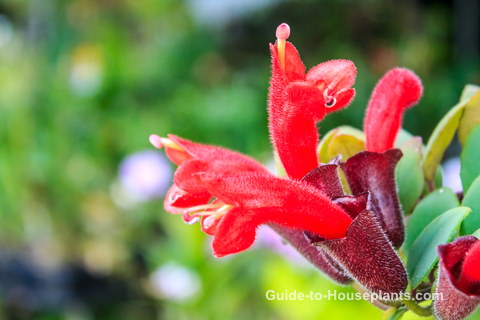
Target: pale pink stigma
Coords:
[[156, 141], [283, 32]]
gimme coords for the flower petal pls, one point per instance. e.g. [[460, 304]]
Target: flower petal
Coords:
[[397, 91], [375, 173], [336, 75], [288, 203], [177, 200], [325, 179], [294, 67], [368, 257], [210, 153], [293, 130], [453, 303]]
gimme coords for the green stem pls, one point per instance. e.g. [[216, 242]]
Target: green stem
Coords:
[[417, 309]]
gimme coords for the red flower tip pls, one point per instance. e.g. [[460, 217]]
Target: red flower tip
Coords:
[[283, 31], [397, 91], [470, 274]]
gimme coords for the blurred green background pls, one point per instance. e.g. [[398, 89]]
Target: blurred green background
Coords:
[[83, 83]]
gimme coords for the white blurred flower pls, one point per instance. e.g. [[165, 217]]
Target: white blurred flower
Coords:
[[175, 282], [143, 176], [451, 174], [268, 238]]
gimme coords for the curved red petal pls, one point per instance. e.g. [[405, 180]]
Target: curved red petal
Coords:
[[456, 301], [211, 153], [177, 200], [470, 273], [397, 91], [334, 75], [186, 174], [375, 173], [294, 67], [344, 98]]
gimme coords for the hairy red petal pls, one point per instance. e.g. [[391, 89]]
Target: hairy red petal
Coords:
[[367, 256], [335, 75], [294, 67], [185, 176], [344, 98], [471, 265], [325, 179], [397, 91], [293, 130], [375, 173], [286, 202], [457, 300], [211, 153], [177, 200]]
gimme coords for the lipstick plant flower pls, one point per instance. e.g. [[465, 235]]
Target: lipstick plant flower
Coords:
[[338, 202]]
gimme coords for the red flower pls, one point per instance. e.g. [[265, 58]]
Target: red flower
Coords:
[[459, 279], [234, 195], [297, 101], [398, 90]]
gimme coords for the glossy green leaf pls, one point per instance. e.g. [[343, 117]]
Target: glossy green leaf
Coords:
[[423, 254], [440, 139], [445, 131], [426, 211], [409, 174], [468, 91], [470, 169], [472, 200], [470, 118]]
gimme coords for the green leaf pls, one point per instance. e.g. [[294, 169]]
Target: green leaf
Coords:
[[426, 211], [470, 169], [471, 200], [409, 174], [440, 139], [470, 118], [476, 234], [423, 254], [445, 130], [468, 91]]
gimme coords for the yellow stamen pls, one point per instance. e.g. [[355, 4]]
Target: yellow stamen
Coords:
[[204, 207], [160, 142], [170, 144], [282, 33], [281, 52]]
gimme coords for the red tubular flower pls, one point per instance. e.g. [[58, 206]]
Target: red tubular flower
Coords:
[[375, 173], [365, 253], [297, 101], [398, 90], [458, 289], [234, 195]]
